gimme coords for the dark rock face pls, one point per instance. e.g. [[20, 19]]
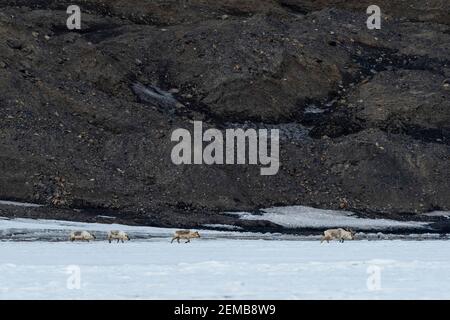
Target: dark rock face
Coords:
[[415, 10], [77, 131], [416, 103]]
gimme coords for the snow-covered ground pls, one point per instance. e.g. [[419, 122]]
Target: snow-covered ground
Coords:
[[226, 269], [220, 265], [307, 217]]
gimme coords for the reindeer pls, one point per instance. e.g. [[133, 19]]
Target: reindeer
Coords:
[[185, 234], [81, 236], [338, 234], [118, 235]]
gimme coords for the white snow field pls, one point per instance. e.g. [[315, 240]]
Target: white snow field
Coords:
[[220, 265], [226, 269]]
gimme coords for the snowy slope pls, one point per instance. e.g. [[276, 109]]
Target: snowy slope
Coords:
[[307, 217]]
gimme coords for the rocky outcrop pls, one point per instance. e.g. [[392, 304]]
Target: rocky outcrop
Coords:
[[409, 102], [415, 10], [86, 117]]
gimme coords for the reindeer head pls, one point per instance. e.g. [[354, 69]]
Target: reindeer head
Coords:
[[353, 233], [196, 234]]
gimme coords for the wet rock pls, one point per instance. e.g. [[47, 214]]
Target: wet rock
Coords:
[[15, 44]]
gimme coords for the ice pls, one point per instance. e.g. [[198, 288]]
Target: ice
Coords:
[[445, 214], [19, 204], [223, 226], [313, 109]]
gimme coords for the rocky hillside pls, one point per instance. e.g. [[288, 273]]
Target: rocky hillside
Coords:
[[364, 114]]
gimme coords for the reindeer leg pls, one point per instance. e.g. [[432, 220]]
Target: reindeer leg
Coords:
[[188, 240], [178, 240], [172, 240]]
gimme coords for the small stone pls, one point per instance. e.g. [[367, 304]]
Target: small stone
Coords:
[[14, 44], [35, 34], [47, 37], [446, 83], [24, 65], [2, 65], [379, 146], [225, 17], [138, 62], [71, 37]]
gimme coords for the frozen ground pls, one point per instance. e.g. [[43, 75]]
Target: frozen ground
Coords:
[[230, 269], [220, 265]]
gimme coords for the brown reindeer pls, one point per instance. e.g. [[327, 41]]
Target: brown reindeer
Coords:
[[81, 236], [338, 234], [185, 234]]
